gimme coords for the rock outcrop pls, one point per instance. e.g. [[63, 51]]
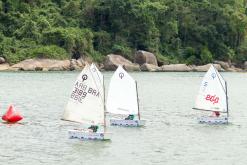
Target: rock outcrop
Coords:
[[176, 68], [2, 60], [112, 61], [78, 64], [142, 57], [204, 68], [150, 68], [4, 67], [42, 64], [234, 69], [224, 65]]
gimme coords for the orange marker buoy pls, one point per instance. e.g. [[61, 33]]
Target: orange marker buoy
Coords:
[[12, 115]]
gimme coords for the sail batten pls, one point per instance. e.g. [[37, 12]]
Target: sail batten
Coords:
[[85, 104], [122, 95], [212, 95]]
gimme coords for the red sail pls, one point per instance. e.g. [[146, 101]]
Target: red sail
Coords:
[[11, 115]]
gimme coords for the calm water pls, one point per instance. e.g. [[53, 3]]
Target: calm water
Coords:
[[171, 136]]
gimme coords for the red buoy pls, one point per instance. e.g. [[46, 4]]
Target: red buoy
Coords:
[[12, 115]]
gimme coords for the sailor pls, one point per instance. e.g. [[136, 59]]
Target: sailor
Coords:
[[130, 117], [94, 128], [216, 113]]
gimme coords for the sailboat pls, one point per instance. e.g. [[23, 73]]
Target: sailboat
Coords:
[[213, 97], [86, 105], [123, 99]]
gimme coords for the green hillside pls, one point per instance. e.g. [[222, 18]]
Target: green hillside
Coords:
[[177, 31]]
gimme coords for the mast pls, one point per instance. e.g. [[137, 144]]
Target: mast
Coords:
[[104, 104], [138, 102], [227, 101]]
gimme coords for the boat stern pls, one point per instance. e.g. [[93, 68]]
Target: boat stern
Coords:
[[127, 123], [213, 120], [85, 135]]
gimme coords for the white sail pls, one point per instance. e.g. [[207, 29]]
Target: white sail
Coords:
[[212, 94], [85, 103], [122, 94]]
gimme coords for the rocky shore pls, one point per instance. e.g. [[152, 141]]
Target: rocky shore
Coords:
[[143, 61]]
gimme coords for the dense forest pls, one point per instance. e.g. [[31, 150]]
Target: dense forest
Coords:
[[176, 31]]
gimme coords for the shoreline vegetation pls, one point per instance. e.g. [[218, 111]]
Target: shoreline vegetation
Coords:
[[143, 61], [64, 34]]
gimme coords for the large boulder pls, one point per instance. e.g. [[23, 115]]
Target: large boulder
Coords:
[[142, 57], [204, 68], [176, 68], [42, 64], [112, 61], [150, 68], [78, 64], [27, 65], [224, 65], [2, 60], [4, 67], [245, 65], [234, 69], [55, 65]]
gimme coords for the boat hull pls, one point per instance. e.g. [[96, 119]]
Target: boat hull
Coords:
[[127, 123], [85, 135], [213, 120]]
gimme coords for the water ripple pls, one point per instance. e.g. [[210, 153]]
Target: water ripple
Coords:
[[171, 135]]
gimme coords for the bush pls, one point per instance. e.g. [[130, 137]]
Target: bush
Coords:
[[15, 51], [97, 57], [123, 50], [162, 59], [77, 42], [102, 42], [51, 51], [206, 56], [192, 60]]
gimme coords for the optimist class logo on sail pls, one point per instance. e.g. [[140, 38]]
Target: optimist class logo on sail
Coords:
[[81, 90], [121, 75]]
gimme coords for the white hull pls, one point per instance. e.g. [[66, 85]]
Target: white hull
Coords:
[[86, 135], [213, 120], [127, 123]]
